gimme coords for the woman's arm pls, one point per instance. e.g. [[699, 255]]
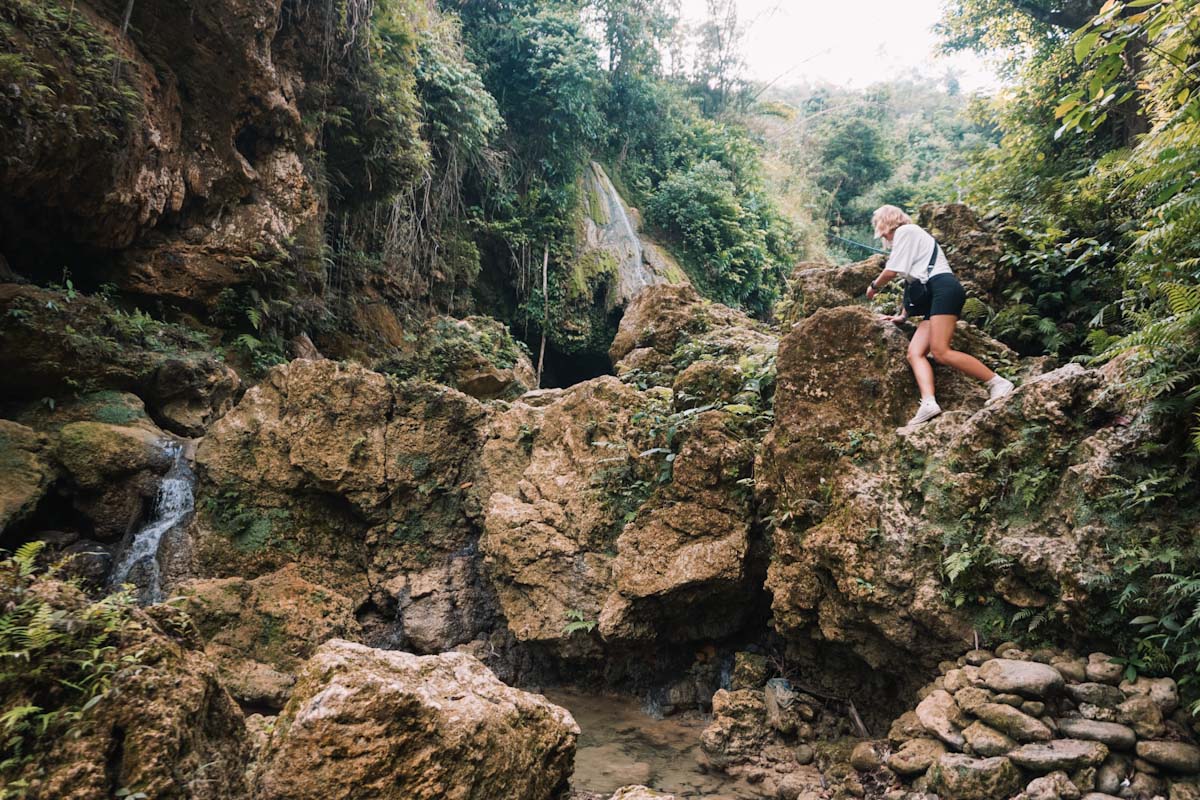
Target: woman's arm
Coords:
[[879, 282]]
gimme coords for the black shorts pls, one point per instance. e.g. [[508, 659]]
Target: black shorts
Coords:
[[945, 296]]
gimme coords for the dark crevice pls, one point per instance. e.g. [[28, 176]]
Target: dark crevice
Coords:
[[250, 143], [114, 759], [561, 370]]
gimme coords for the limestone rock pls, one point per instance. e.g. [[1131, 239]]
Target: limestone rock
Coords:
[[1016, 724], [904, 727], [1098, 694], [640, 793], [414, 727], [477, 355], [973, 247], [1143, 715], [1184, 790], [166, 726], [1055, 786], [1101, 669], [680, 571], [986, 741], [978, 657], [942, 717], [96, 453], [1034, 708], [738, 731], [749, 671], [864, 757], [915, 756], [548, 531], [1065, 754], [813, 286], [1110, 774], [27, 471], [1175, 756], [330, 467], [1117, 737], [1073, 669], [53, 345], [971, 698], [1028, 678], [261, 631], [959, 777], [1163, 691], [807, 784]]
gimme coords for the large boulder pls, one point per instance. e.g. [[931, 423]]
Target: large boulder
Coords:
[[91, 465], [477, 355], [366, 723], [668, 328], [553, 479], [1000, 492], [973, 247], [260, 632], [603, 508], [815, 286], [329, 467]]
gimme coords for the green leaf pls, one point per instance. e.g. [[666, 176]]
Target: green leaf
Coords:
[[1065, 106], [1085, 45]]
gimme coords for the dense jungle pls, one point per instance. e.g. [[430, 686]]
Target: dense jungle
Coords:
[[481, 400]]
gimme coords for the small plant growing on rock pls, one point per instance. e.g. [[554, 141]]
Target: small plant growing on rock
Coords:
[[577, 621]]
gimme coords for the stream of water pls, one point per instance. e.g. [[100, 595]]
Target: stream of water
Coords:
[[172, 506], [621, 745]]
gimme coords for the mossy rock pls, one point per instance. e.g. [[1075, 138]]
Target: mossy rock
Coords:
[[96, 453]]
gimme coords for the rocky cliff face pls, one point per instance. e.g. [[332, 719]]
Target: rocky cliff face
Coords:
[[141, 146], [732, 484]]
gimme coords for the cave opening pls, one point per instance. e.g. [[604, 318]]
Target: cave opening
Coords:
[[562, 370], [249, 142], [36, 245]]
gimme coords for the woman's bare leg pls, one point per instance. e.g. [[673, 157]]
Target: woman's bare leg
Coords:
[[918, 350], [939, 346]]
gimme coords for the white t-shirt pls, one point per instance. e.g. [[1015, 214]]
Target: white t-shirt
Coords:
[[911, 248]]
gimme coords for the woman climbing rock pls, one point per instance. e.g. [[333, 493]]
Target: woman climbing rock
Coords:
[[931, 291]]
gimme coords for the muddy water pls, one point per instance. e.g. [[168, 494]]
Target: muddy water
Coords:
[[621, 745]]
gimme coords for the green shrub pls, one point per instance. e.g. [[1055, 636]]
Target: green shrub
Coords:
[[59, 655], [734, 247]]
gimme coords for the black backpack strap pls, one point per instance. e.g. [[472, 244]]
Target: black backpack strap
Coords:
[[932, 260]]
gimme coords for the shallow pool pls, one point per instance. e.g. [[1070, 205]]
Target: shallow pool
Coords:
[[621, 745]]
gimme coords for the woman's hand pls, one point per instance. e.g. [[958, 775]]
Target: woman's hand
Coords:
[[871, 292], [895, 319]]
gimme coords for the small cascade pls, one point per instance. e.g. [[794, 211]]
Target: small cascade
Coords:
[[609, 228], [172, 507]]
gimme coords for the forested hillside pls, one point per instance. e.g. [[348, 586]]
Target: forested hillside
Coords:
[[480, 400]]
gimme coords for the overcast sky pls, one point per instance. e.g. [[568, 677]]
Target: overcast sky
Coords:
[[847, 42]]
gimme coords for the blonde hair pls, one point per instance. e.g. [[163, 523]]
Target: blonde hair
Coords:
[[887, 218]]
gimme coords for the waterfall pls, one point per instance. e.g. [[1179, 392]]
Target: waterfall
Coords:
[[172, 506], [608, 227]]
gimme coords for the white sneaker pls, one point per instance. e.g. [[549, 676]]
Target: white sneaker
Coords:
[[999, 387], [925, 412]]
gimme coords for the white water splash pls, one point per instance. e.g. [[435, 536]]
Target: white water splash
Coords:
[[172, 506]]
